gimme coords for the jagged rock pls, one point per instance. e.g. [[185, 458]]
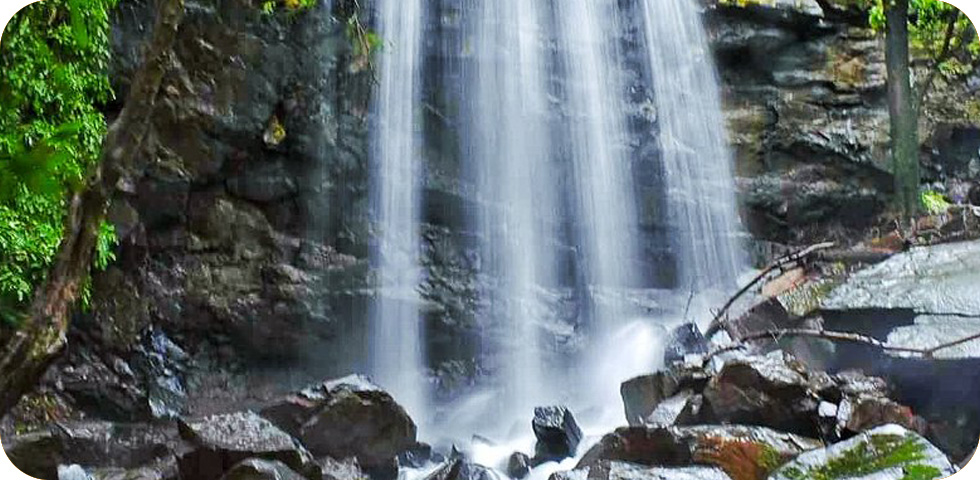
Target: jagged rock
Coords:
[[348, 417], [642, 395], [770, 390], [888, 452], [680, 446], [337, 470], [557, 432], [257, 469], [684, 340], [630, 471], [459, 469], [518, 465], [90, 444], [162, 470], [219, 442], [415, 456]]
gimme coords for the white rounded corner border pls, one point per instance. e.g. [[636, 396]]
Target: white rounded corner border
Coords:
[[9, 7]]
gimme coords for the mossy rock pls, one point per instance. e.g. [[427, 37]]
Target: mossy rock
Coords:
[[884, 453]]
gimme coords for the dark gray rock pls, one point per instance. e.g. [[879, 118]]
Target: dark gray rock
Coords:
[[90, 444], [257, 469], [557, 432], [642, 395], [770, 391], [219, 442], [348, 417], [518, 465], [460, 469], [341, 470], [415, 456], [683, 340]]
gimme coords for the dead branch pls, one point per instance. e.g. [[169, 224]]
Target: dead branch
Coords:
[[794, 258], [835, 336]]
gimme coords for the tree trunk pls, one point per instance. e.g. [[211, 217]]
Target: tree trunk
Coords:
[[901, 109], [28, 354]]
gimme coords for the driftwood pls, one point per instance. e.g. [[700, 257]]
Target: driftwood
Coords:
[[33, 347], [781, 263]]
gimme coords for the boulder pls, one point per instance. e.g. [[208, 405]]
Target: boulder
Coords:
[[415, 456], [219, 442], [643, 394], [90, 444], [459, 469], [684, 340], [341, 470], [889, 452], [161, 470], [768, 390], [684, 446], [518, 465], [258, 469], [557, 432], [348, 417]]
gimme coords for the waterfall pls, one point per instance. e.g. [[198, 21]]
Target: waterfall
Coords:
[[604, 206], [506, 133], [693, 145], [397, 356], [541, 98]]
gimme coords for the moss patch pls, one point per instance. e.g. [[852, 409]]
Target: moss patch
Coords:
[[878, 453]]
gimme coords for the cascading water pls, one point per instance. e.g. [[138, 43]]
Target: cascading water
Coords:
[[397, 355], [507, 137], [603, 188], [540, 113], [693, 145]]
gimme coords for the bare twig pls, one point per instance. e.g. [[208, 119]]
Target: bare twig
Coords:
[[791, 259]]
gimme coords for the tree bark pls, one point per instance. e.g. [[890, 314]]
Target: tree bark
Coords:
[[28, 354], [901, 109]]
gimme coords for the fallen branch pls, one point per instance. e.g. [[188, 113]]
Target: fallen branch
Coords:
[[835, 336], [781, 263]]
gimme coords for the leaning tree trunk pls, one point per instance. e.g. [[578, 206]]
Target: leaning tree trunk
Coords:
[[31, 350], [901, 109]]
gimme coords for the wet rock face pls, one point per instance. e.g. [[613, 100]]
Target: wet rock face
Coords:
[[557, 432], [220, 442], [804, 90], [348, 417]]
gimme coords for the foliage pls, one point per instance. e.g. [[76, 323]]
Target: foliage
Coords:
[[53, 84], [269, 6], [880, 452], [365, 42], [928, 24], [934, 202]]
